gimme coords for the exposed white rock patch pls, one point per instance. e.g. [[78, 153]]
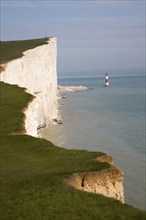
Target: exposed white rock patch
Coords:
[[36, 71], [66, 89]]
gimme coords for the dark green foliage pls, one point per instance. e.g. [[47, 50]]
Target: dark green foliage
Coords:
[[33, 170], [10, 50]]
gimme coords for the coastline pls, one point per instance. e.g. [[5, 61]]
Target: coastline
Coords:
[[108, 182], [34, 170], [75, 112], [42, 110]]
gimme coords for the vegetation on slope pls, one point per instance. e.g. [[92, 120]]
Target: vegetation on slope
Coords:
[[10, 50], [33, 169]]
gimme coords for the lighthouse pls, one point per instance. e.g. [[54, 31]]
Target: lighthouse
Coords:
[[106, 80]]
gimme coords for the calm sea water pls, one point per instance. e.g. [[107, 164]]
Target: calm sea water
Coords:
[[111, 120]]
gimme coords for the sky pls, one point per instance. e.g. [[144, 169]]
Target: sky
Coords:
[[95, 35]]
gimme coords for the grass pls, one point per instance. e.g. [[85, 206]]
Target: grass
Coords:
[[33, 170], [10, 50]]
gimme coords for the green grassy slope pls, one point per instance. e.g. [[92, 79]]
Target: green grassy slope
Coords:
[[10, 50], [33, 169]]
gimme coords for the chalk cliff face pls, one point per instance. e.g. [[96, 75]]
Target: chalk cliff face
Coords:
[[36, 71], [108, 182]]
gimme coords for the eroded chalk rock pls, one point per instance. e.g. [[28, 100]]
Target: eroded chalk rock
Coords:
[[108, 182], [105, 158]]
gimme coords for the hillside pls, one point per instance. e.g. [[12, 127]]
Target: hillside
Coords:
[[33, 171]]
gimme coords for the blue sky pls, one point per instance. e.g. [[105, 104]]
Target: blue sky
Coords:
[[92, 35]]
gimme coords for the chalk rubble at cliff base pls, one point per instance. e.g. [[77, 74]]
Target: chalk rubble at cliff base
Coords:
[[63, 90]]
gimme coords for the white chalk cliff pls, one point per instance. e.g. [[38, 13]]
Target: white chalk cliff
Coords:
[[36, 71]]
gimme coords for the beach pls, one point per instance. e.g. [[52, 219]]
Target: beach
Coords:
[[109, 120]]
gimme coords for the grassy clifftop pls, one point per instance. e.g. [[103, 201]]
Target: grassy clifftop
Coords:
[[33, 170], [10, 50]]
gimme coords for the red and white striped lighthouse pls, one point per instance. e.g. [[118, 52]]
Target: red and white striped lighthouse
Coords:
[[106, 80]]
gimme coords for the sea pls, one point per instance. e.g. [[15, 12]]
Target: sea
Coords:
[[109, 120]]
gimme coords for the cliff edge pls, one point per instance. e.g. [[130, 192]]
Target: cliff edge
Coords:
[[108, 182], [36, 71]]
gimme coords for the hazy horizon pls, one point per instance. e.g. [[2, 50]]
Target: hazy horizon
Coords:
[[91, 35]]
